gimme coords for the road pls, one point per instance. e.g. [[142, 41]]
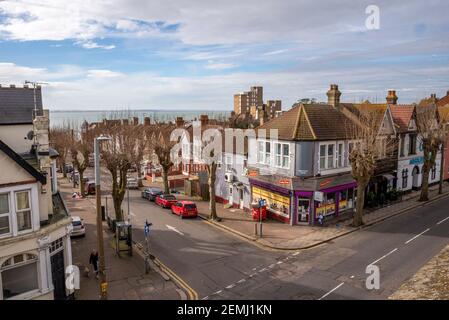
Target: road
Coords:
[[219, 265]]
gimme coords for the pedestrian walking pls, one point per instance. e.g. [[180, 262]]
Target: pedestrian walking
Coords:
[[93, 260]]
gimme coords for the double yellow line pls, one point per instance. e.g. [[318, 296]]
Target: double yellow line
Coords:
[[192, 293]]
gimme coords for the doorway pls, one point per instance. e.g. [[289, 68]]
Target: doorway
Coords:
[[415, 175], [58, 275], [241, 198]]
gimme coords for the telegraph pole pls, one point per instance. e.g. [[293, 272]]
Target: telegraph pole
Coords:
[[101, 260]]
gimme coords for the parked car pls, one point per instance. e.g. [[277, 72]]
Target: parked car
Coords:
[[89, 187], [151, 193], [185, 209], [131, 183], [78, 227], [166, 200]]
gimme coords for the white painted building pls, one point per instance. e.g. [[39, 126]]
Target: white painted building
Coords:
[[35, 228], [410, 155]]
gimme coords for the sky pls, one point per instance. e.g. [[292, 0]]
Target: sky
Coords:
[[194, 55]]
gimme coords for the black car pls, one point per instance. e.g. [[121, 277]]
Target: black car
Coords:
[[151, 193]]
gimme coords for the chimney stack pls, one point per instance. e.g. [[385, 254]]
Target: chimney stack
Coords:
[[433, 98], [333, 96], [204, 119], [12, 85], [135, 121], [147, 121], [392, 98], [179, 122]]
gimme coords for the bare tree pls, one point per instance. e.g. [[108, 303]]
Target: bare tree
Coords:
[[432, 132], [60, 140], [81, 147], [367, 149], [162, 146], [117, 156]]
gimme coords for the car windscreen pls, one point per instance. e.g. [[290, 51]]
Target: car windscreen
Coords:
[[76, 223], [156, 191], [169, 198], [190, 206]]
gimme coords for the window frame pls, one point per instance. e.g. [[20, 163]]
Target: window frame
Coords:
[[28, 259], [7, 214], [405, 178], [280, 157], [30, 209]]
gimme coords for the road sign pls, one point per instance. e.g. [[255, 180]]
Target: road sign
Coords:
[[146, 228]]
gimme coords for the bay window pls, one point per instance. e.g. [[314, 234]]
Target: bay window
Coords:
[[260, 151], [404, 178], [228, 163], [285, 155], [23, 210], [282, 155], [267, 152], [5, 214], [323, 156], [340, 155], [19, 275]]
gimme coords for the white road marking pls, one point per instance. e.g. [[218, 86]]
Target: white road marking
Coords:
[[271, 266], [252, 275], [254, 269], [230, 286], [384, 256], [410, 240], [324, 296], [295, 254], [205, 298], [174, 229], [352, 277], [218, 292], [241, 281], [279, 262], [440, 222], [262, 270]]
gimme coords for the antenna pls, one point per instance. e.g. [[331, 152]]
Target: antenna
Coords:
[[34, 83]]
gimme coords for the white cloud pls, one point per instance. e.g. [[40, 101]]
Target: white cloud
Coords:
[[103, 74], [219, 65], [94, 45]]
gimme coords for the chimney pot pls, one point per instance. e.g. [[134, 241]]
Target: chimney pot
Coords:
[[12, 85], [333, 96], [392, 98], [179, 121], [204, 118]]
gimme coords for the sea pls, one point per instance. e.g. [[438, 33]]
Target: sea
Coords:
[[59, 118]]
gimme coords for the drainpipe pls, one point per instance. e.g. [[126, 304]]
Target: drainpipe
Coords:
[[440, 188]]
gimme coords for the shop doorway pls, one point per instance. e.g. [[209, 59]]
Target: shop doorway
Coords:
[[303, 210], [415, 175]]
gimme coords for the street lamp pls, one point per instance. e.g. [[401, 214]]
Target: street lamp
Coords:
[[101, 267]]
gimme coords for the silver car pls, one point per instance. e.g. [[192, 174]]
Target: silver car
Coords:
[[78, 227]]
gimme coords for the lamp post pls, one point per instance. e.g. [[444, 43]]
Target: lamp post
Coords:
[[101, 267]]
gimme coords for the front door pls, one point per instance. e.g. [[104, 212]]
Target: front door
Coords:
[[241, 198], [415, 175], [58, 275]]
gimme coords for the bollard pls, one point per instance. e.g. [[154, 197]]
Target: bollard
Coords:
[[255, 229]]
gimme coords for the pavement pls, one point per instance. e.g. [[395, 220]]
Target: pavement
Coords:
[[431, 282], [281, 236], [125, 275]]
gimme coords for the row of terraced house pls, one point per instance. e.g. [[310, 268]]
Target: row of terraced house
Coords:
[[312, 173]]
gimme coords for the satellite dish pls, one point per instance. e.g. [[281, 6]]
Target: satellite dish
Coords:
[[30, 135]]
